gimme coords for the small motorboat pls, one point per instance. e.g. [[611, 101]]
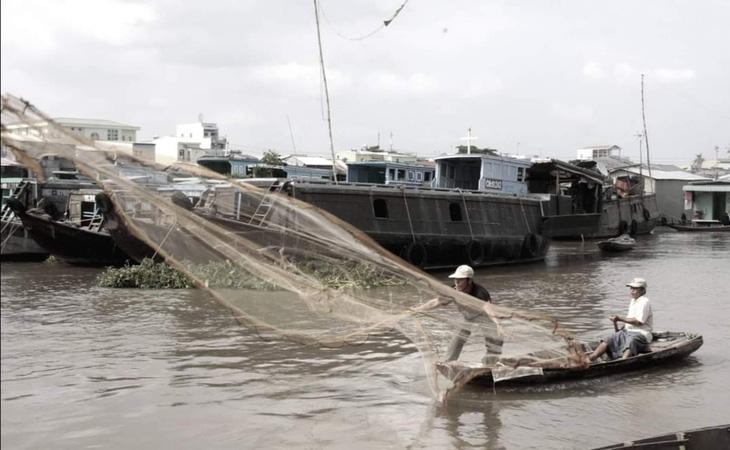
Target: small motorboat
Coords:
[[618, 244]]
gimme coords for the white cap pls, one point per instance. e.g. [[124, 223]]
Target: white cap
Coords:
[[637, 283], [463, 272]]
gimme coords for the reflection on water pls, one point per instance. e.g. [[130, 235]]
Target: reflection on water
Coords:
[[85, 366]]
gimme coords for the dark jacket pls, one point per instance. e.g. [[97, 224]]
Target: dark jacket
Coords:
[[480, 292]]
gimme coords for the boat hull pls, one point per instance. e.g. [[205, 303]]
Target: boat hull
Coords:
[[634, 215], [72, 244], [666, 347], [17, 244], [693, 229], [702, 438], [436, 228]]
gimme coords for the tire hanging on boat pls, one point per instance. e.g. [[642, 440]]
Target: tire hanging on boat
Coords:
[[415, 253], [647, 215], [530, 245], [474, 253], [634, 227], [623, 226]]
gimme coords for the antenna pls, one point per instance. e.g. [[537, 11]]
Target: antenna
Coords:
[[292, 138]]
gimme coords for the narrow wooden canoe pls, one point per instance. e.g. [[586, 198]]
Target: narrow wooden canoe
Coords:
[[700, 229], [666, 346]]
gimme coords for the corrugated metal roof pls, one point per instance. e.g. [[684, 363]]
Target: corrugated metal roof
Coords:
[[92, 122], [706, 188], [721, 186], [668, 175]]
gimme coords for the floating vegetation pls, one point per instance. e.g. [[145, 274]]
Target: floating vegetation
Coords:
[[51, 260], [151, 275], [228, 275], [354, 275], [147, 275]]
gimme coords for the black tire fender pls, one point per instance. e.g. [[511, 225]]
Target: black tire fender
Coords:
[[647, 215], [416, 254], [634, 227], [623, 226], [530, 245], [474, 253]]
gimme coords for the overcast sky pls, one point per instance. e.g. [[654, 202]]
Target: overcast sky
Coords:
[[535, 77]]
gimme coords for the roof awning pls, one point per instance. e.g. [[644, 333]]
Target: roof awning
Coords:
[[707, 188], [555, 164]]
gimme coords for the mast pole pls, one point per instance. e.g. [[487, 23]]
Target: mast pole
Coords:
[[326, 93], [643, 116]]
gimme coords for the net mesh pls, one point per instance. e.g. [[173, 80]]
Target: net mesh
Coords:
[[288, 270]]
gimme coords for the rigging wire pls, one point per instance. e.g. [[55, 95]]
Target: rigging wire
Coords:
[[366, 35], [687, 97]]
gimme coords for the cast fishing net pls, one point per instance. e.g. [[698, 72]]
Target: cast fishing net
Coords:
[[286, 269]]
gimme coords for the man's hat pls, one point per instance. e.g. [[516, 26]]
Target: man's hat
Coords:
[[463, 272], [637, 283]]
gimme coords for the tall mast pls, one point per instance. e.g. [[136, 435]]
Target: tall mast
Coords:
[[643, 116], [326, 92]]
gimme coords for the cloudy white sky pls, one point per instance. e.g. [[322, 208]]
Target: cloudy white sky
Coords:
[[538, 77]]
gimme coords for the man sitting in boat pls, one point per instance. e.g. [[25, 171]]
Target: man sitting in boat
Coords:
[[634, 336], [464, 282]]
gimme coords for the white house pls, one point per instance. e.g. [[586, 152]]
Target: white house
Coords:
[[96, 129], [600, 151], [375, 154], [191, 142]]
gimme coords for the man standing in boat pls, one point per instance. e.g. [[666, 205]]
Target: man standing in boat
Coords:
[[635, 333], [464, 282]]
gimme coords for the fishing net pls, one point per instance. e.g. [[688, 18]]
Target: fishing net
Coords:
[[288, 270]]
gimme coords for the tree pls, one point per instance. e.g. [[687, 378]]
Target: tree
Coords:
[[269, 160], [272, 158]]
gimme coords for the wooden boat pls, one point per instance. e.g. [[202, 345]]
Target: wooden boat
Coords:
[[78, 238], [156, 227], [701, 226], [580, 202], [16, 242], [702, 438], [619, 244], [666, 346]]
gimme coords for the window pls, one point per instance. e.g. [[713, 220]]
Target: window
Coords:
[[520, 174], [427, 176], [419, 176], [455, 212], [391, 174], [95, 136], [401, 175], [411, 175], [380, 208], [181, 155], [450, 172], [112, 135]]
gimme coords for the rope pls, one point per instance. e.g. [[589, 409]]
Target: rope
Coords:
[[165, 238], [466, 210], [410, 224], [524, 215]]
